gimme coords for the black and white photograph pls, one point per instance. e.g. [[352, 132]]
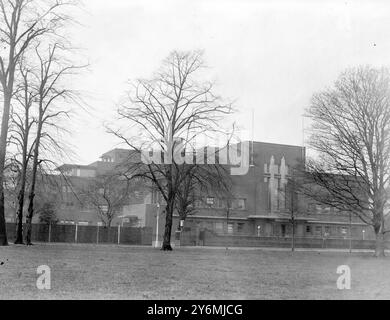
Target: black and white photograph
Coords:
[[215, 151]]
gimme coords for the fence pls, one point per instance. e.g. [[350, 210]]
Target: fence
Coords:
[[211, 239], [86, 234], [145, 236]]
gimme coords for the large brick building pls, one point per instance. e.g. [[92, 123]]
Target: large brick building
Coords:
[[259, 207]]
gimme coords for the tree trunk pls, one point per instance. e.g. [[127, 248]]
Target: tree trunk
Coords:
[[31, 196], [293, 236], [3, 147], [3, 227], [19, 216], [30, 214], [109, 222], [379, 243], [166, 246], [110, 217]]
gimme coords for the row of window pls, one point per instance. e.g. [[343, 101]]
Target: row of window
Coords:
[[234, 228], [326, 231], [223, 227], [218, 203], [80, 223], [320, 208]]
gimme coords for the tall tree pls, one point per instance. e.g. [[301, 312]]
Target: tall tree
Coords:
[[351, 135], [22, 122], [22, 23], [169, 110], [53, 94]]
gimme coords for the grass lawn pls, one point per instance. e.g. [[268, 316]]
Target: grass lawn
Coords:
[[111, 272]]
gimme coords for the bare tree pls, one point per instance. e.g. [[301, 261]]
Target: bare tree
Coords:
[[351, 136], [292, 189], [21, 125], [171, 109], [11, 183], [53, 94], [22, 23], [201, 179], [108, 194]]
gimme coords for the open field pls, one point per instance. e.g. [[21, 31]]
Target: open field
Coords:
[[112, 272]]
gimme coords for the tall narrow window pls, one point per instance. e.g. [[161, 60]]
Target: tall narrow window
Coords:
[[230, 228], [210, 201]]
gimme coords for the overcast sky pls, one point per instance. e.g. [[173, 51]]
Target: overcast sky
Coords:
[[270, 56]]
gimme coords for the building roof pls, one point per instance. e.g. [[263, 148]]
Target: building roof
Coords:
[[66, 167], [116, 151], [128, 152], [275, 144]]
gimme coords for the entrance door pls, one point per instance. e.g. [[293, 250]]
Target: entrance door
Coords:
[[283, 230]]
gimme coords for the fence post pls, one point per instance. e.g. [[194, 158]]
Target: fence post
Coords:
[[119, 234], [49, 232], [75, 235]]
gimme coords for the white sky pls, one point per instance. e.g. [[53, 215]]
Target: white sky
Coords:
[[269, 55]]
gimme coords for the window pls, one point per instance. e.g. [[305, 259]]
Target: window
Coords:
[[344, 230], [210, 201], [240, 227], [327, 231], [219, 227], [283, 230], [239, 204], [103, 208], [230, 228], [308, 229], [137, 194], [318, 230], [220, 203]]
